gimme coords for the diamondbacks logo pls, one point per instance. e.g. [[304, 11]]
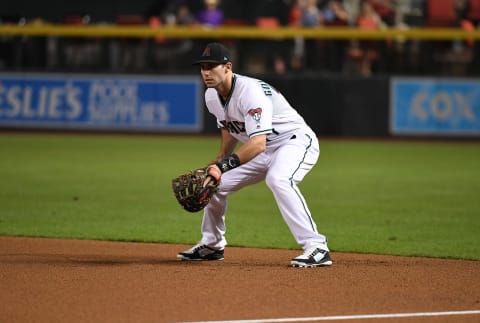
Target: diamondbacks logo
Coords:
[[206, 52], [256, 114]]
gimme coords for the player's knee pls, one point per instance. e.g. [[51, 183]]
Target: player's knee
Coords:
[[275, 181]]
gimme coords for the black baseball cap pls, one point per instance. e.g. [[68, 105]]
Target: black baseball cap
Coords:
[[214, 53]]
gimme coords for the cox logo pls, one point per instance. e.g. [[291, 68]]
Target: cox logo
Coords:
[[442, 106]]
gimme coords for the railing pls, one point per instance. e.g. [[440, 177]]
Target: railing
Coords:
[[146, 49], [241, 32]]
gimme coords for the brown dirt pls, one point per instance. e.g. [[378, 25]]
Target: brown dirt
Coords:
[[54, 280]]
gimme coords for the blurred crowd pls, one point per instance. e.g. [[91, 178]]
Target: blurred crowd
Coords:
[[363, 58], [350, 57]]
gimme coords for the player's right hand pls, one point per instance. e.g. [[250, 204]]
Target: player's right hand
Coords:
[[214, 172]]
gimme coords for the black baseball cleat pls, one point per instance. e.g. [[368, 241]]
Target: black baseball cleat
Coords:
[[313, 257], [200, 252]]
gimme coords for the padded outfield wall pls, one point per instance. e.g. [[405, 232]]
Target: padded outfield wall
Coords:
[[336, 106]]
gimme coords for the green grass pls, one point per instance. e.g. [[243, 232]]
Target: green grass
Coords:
[[401, 198]]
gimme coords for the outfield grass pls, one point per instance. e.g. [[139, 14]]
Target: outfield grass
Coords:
[[401, 198]]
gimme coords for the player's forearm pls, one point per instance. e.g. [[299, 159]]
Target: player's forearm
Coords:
[[244, 154], [252, 148]]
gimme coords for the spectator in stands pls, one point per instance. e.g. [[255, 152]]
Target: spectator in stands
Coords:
[[167, 52], [364, 53], [461, 53], [294, 20], [461, 9], [184, 17], [211, 15], [310, 14], [294, 13], [385, 9], [334, 14], [311, 17], [352, 8]]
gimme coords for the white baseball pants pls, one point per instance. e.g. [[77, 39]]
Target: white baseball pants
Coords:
[[282, 169]]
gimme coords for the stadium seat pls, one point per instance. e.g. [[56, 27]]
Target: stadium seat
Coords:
[[440, 13], [267, 22], [129, 20], [231, 22], [74, 20], [474, 11]]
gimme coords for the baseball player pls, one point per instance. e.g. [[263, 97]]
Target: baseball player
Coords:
[[278, 147]]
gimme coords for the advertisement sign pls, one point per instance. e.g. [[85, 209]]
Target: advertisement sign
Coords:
[[435, 106], [101, 102]]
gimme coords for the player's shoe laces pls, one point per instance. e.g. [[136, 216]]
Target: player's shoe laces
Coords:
[[313, 257], [200, 252]]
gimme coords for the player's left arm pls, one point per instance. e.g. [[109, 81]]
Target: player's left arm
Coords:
[[246, 152], [249, 150]]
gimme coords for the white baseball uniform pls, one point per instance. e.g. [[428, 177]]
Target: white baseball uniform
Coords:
[[253, 108]]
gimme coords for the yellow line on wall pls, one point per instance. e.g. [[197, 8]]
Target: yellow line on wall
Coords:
[[113, 31]]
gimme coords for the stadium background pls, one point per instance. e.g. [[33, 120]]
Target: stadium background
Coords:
[[316, 67]]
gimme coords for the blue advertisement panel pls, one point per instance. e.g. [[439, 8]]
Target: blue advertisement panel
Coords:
[[100, 102], [435, 106]]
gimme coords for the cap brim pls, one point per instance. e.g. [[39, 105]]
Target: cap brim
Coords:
[[208, 61]]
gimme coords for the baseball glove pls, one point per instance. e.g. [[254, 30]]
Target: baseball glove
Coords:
[[193, 190]]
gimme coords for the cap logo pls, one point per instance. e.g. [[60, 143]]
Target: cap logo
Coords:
[[206, 52]]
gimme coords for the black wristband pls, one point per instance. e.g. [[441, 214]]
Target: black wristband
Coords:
[[228, 163]]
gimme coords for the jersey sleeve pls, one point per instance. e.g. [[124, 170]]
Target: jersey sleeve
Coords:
[[258, 109]]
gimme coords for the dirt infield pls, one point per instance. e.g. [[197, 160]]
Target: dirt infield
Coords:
[[54, 280]]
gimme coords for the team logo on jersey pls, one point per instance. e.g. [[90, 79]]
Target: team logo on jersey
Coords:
[[256, 114]]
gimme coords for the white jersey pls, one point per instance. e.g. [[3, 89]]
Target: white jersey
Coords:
[[253, 108]]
